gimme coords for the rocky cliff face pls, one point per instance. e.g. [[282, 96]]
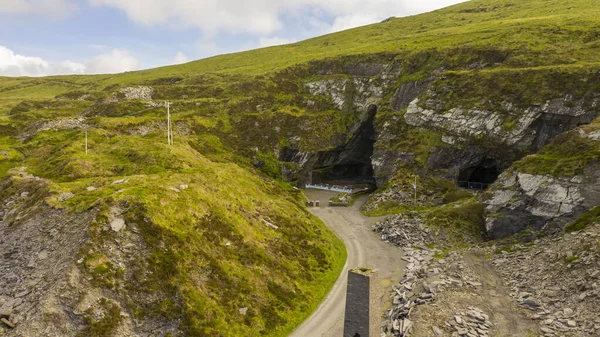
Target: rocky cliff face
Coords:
[[57, 282], [527, 129], [548, 193], [433, 126], [503, 128]]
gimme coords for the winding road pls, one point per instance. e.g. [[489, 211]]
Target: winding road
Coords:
[[365, 249]]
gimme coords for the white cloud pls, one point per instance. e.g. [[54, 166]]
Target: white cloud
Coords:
[[206, 47], [264, 17], [53, 8], [180, 58], [354, 13], [69, 67], [257, 23], [12, 64], [116, 61], [211, 16], [273, 41], [350, 21]]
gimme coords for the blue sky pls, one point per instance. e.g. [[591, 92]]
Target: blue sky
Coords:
[[45, 37]]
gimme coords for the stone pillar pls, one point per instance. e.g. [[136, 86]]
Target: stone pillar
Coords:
[[363, 315]]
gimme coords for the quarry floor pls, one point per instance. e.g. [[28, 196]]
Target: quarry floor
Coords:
[[365, 249]]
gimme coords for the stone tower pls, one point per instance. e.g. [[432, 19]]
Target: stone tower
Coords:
[[363, 315]]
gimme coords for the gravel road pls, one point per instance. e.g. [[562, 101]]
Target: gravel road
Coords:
[[365, 249]]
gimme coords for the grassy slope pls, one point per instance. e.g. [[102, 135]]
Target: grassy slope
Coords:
[[565, 32], [290, 270]]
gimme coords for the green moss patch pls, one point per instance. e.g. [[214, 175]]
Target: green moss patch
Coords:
[[567, 155], [585, 220]]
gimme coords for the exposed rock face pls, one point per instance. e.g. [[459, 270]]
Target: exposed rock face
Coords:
[[57, 124], [38, 249], [407, 93], [542, 202], [469, 135], [46, 291], [529, 130], [143, 93], [472, 135], [463, 137], [360, 93]]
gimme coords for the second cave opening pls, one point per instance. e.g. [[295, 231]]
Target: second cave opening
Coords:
[[480, 176]]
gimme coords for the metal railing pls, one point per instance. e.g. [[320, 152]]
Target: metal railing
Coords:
[[471, 185], [335, 188]]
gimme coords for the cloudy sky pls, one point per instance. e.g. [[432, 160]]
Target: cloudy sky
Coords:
[[46, 37]]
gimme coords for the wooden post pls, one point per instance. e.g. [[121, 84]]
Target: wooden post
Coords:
[[86, 144]]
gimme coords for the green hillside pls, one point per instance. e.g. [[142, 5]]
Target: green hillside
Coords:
[[232, 114], [534, 32]]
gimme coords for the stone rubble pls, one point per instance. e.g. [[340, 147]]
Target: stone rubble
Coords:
[[557, 280], [471, 323], [406, 296], [427, 276], [404, 230], [424, 280], [65, 196], [36, 247]]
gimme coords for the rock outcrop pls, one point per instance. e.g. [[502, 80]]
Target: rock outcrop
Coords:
[[47, 290], [528, 129], [141, 93], [55, 125], [549, 190]]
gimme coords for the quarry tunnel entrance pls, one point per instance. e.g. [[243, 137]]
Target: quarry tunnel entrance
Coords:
[[351, 164], [480, 176]]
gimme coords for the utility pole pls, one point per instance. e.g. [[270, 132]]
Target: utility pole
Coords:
[[169, 136], [415, 187], [170, 122], [86, 144]]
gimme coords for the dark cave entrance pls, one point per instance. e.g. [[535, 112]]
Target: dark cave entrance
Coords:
[[351, 164], [480, 176]]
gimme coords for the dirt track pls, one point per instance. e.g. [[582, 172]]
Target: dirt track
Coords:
[[365, 249]]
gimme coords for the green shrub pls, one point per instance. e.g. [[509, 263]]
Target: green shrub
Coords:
[[456, 195], [106, 325], [585, 220], [468, 217]]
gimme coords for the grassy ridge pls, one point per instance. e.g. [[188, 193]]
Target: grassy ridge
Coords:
[[535, 32]]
